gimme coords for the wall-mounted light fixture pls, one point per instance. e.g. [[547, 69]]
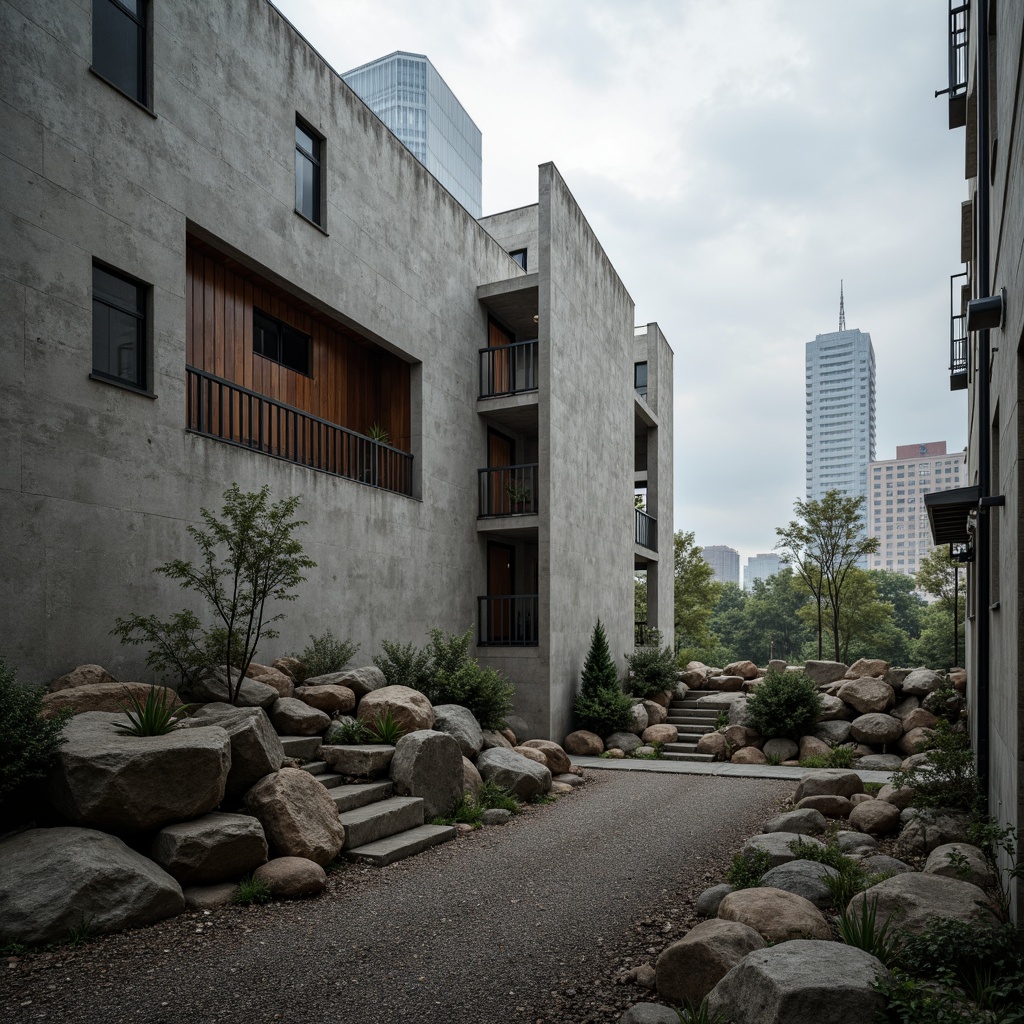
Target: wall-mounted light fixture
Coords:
[[986, 314]]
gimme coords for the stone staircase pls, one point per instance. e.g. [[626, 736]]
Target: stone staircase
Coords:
[[380, 827], [692, 721]]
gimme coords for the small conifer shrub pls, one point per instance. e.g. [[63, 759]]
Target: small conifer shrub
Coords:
[[601, 706]]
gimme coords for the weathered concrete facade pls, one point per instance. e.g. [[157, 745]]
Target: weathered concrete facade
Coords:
[[98, 481]]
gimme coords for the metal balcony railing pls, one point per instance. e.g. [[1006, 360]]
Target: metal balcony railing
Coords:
[[508, 490], [957, 58], [645, 530], [959, 344], [641, 633], [228, 412], [508, 369], [508, 620]]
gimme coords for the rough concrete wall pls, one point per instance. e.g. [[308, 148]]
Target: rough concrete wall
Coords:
[[586, 440], [97, 483], [515, 229]]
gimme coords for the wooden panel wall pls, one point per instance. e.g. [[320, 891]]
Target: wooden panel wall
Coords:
[[354, 383]]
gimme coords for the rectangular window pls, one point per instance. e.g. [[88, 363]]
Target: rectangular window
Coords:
[[273, 339], [119, 45], [118, 328], [640, 379], [519, 255], [308, 177]]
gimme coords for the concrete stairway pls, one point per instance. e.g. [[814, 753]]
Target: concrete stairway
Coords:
[[692, 722], [380, 827]]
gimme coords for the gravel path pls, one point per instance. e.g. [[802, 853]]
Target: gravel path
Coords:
[[529, 921]]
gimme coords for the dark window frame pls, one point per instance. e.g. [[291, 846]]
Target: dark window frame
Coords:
[[641, 389], [515, 253], [140, 312], [313, 157], [102, 64], [284, 332]]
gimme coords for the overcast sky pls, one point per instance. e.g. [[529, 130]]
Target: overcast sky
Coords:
[[736, 159]]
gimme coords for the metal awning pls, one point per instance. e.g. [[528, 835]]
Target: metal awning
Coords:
[[948, 512]]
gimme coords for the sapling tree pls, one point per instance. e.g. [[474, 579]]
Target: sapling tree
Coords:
[[601, 705]]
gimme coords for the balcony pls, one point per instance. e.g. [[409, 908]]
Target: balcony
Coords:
[[508, 620], [957, 59], [645, 531], [508, 369], [508, 491], [959, 361], [217, 408]]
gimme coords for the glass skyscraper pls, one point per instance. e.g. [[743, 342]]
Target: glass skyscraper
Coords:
[[405, 91]]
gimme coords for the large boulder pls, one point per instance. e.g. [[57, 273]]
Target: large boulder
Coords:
[[627, 742], [211, 686], [743, 669], [657, 714], [715, 744], [493, 738], [360, 681], [804, 820], [331, 699], [801, 982], [830, 806], [292, 668], [55, 879], [811, 746], [777, 846], [882, 864], [834, 733], [213, 848], [867, 695], [298, 816], [781, 748], [879, 762], [267, 674], [824, 672], [109, 780], [519, 775], [725, 684], [866, 667], [776, 915], [832, 709], [829, 782], [748, 755], [638, 716], [876, 729], [292, 877], [255, 747], [962, 861], [583, 743], [803, 878], [901, 796], [83, 675], [461, 724], [710, 900], [363, 760], [428, 764], [649, 1013], [856, 843], [689, 968], [557, 759], [471, 781], [905, 707], [408, 707], [533, 754], [293, 717], [742, 736], [916, 740], [921, 682], [914, 901], [660, 734], [875, 817], [98, 696], [918, 718]]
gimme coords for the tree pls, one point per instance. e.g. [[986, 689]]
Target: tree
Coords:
[[824, 545], [900, 591], [861, 614], [695, 592], [601, 705], [937, 575], [774, 627]]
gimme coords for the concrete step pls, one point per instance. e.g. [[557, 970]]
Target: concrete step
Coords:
[[315, 767], [304, 747], [698, 723], [691, 732], [381, 819], [682, 747], [386, 851], [672, 756], [361, 794], [329, 779]]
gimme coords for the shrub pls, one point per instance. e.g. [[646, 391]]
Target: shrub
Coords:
[[700, 1014], [852, 877], [601, 706], [492, 795], [746, 869], [786, 704], [948, 778], [326, 653], [467, 812], [251, 890], [30, 743], [838, 757], [385, 729], [947, 703], [348, 734], [652, 669], [863, 930], [153, 717], [403, 664]]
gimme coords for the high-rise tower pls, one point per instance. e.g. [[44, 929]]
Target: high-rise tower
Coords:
[[405, 91], [840, 411]]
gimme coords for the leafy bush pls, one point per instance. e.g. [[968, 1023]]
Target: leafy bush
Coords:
[[30, 743], [949, 777], [652, 669], [786, 704], [746, 869], [852, 877], [601, 706], [153, 717], [348, 733], [837, 757], [467, 812], [403, 664], [251, 890], [326, 654], [492, 795], [947, 703]]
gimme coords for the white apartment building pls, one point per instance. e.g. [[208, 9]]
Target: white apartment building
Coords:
[[896, 512], [725, 562], [840, 413], [760, 567]]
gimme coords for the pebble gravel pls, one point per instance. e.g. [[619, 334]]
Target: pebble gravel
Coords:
[[543, 919]]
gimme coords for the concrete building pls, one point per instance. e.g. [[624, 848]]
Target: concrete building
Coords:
[[725, 561], [760, 567], [896, 511], [839, 413], [211, 278], [405, 91], [986, 95]]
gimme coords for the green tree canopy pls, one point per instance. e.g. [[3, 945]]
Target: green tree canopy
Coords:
[[695, 592]]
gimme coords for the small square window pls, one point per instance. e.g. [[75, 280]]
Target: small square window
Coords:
[[276, 340], [308, 173], [519, 255], [118, 328], [119, 45]]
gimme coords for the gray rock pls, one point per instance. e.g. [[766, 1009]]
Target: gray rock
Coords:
[[879, 762], [867, 695], [961, 861], [776, 915], [56, 879], [255, 747], [876, 729], [875, 817], [293, 717], [856, 842], [493, 738], [627, 742], [776, 845], [905, 707], [801, 982], [914, 900], [803, 878], [783, 749], [519, 775], [689, 968], [829, 782], [213, 848], [709, 900], [460, 723], [496, 816], [363, 760], [895, 676], [639, 716], [518, 725], [832, 709], [428, 764], [834, 733], [568, 779], [883, 865], [830, 806], [211, 686], [921, 682], [806, 821], [292, 877], [900, 796], [122, 783], [209, 897], [739, 712], [649, 1013], [360, 681], [822, 672]]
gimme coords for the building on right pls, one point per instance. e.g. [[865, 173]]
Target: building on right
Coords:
[[760, 567], [896, 512], [983, 518], [725, 562]]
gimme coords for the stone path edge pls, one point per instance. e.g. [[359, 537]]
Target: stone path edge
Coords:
[[739, 771]]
